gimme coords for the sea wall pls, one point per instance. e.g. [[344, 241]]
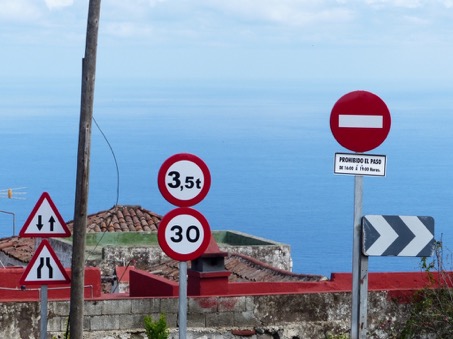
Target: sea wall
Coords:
[[278, 256], [291, 316], [109, 250]]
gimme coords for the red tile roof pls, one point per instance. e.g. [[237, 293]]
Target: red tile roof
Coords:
[[117, 219], [242, 268], [20, 249], [122, 218], [126, 218]]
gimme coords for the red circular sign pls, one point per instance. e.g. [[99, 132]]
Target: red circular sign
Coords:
[[184, 234], [184, 180], [360, 121]]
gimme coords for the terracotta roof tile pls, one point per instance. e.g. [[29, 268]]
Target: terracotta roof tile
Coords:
[[20, 249], [243, 268], [122, 218], [136, 219]]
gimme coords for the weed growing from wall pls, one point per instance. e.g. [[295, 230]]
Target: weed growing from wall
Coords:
[[431, 313], [156, 329]]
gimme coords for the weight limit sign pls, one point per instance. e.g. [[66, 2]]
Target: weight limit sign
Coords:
[[184, 234], [184, 180]]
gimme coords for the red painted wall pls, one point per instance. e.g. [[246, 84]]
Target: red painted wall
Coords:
[[11, 290], [144, 284], [147, 284]]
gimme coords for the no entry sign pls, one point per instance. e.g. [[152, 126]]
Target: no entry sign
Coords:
[[360, 121]]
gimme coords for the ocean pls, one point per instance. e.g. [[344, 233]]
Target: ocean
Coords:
[[268, 146]]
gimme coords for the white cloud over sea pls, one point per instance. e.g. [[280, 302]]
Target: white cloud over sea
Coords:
[[250, 37]]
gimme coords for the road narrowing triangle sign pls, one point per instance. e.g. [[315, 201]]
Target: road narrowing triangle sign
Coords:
[[45, 220], [44, 268]]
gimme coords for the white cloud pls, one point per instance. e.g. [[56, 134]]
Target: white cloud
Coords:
[[134, 8], [233, 12], [233, 27], [397, 3], [287, 12], [18, 10], [127, 29], [57, 4], [256, 23], [415, 20], [447, 3]]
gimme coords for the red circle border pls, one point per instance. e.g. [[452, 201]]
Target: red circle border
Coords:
[[163, 188], [360, 139], [163, 226]]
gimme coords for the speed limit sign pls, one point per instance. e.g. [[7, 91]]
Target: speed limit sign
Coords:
[[184, 180], [184, 234]]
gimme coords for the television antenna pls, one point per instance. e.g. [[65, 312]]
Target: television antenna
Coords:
[[13, 193]]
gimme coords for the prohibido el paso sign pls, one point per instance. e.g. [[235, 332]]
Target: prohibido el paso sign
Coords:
[[360, 164]]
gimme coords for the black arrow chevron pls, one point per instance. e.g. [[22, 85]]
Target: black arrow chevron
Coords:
[[398, 235], [405, 236], [39, 225], [51, 222]]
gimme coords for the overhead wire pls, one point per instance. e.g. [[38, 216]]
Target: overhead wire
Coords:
[[117, 182], [114, 158], [117, 198], [116, 201]]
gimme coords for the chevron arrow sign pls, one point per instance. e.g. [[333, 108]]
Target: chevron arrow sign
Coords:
[[393, 235]]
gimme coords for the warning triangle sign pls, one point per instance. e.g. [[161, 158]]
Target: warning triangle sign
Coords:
[[45, 220], [44, 268]]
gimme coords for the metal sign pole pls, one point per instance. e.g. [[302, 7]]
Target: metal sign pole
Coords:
[[43, 312], [359, 269], [360, 121], [182, 299]]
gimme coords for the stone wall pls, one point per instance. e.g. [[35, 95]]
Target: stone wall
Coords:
[[278, 256], [63, 249], [112, 252], [7, 261], [310, 315]]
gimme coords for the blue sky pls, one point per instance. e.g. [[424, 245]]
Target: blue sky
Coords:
[[391, 40]]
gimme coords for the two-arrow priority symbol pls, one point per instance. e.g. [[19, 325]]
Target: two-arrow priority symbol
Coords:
[[45, 220], [40, 225], [398, 235]]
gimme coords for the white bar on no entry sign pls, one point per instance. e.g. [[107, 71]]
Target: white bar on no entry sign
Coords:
[[360, 121]]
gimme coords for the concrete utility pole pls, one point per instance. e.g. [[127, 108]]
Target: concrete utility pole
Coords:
[[83, 171]]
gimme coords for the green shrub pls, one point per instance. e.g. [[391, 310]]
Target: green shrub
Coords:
[[431, 312], [156, 329]]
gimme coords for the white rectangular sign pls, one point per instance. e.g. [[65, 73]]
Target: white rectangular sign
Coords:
[[360, 164]]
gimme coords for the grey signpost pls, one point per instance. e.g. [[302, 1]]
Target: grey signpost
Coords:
[[184, 233], [44, 267], [359, 269], [359, 121], [374, 235], [182, 305], [43, 309]]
